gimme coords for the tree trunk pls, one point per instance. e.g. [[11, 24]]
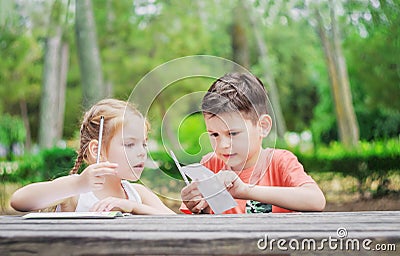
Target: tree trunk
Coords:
[[89, 55], [267, 75], [349, 130], [25, 118], [64, 57], [52, 104], [340, 86], [108, 85], [48, 134], [240, 48]]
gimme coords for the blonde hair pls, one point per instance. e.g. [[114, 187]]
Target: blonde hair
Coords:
[[113, 111]]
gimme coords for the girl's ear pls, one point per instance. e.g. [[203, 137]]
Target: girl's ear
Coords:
[[92, 150], [264, 125]]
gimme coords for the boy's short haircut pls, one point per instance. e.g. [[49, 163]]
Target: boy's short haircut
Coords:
[[236, 92]]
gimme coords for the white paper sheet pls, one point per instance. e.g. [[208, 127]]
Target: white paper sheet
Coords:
[[211, 188], [73, 215]]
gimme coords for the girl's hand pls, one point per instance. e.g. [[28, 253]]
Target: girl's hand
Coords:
[[193, 199], [115, 204], [235, 186], [92, 178]]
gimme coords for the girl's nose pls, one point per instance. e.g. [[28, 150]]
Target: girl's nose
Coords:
[[142, 152]]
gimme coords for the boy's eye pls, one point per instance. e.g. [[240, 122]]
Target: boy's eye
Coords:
[[129, 145], [214, 134], [145, 145], [233, 133]]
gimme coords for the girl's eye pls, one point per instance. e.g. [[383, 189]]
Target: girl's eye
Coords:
[[129, 145], [213, 134], [145, 145], [233, 133]]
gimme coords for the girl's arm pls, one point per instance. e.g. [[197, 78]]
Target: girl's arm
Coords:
[[45, 194], [151, 204], [41, 195], [307, 197]]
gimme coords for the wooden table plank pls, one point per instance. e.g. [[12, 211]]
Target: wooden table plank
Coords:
[[199, 234]]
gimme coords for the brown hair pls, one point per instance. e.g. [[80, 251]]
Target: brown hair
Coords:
[[236, 92], [113, 111]]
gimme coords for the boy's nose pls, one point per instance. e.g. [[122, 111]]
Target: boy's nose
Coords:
[[225, 142]]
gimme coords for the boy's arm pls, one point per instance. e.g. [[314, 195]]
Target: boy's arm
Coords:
[[306, 197], [44, 194], [193, 199]]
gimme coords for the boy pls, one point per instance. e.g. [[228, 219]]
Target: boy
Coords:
[[261, 180]]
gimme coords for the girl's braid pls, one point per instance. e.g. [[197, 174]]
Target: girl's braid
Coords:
[[87, 133], [78, 163]]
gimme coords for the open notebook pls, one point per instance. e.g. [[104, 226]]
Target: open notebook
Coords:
[[73, 215]]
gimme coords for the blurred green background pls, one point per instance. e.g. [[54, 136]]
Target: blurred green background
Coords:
[[332, 69]]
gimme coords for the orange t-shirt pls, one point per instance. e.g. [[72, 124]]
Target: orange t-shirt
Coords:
[[276, 167]]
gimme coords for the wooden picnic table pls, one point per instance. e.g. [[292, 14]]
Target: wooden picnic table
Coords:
[[325, 233]]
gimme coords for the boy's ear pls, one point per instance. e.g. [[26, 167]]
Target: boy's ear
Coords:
[[92, 149], [264, 125]]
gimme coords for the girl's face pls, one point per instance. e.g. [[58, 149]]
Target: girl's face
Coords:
[[128, 148], [235, 139]]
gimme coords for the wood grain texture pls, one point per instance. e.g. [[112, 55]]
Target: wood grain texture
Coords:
[[203, 234]]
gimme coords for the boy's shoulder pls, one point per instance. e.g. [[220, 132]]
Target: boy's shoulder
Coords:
[[283, 153], [277, 155]]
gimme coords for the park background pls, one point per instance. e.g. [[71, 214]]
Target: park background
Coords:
[[332, 70]]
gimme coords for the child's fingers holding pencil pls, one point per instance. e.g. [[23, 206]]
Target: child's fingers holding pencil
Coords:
[[104, 171], [104, 168], [105, 164], [92, 178]]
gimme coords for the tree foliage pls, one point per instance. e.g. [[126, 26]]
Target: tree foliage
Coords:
[[136, 36]]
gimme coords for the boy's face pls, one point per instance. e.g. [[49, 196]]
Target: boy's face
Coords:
[[235, 139], [127, 148]]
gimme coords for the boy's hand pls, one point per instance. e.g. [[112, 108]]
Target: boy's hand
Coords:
[[235, 186], [92, 178], [193, 199]]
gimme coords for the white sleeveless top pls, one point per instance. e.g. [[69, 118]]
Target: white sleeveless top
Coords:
[[87, 200]]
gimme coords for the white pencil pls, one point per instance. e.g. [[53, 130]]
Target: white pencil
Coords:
[[179, 168], [100, 138]]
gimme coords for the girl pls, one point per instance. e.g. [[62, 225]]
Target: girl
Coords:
[[101, 186]]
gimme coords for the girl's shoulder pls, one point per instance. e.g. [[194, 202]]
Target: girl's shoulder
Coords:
[[133, 190], [139, 188], [144, 192]]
